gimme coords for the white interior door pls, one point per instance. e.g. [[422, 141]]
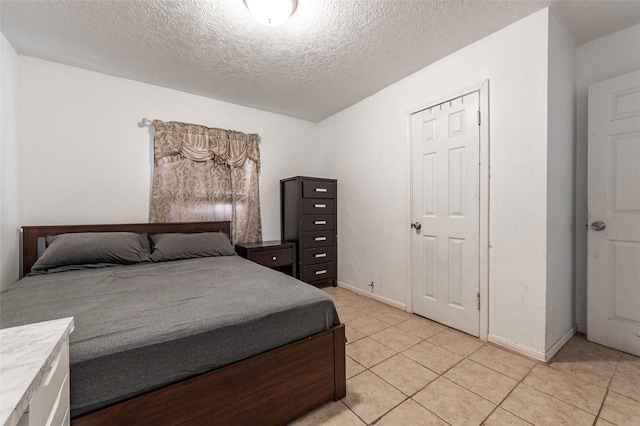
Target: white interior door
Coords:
[[445, 147], [613, 264]]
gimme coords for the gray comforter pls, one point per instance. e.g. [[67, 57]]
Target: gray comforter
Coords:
[[141, 327]]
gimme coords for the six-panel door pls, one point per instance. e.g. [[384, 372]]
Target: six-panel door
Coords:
[[445, 263], [613, 263]]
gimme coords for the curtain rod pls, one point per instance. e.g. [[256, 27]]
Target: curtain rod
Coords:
[[146, 122]]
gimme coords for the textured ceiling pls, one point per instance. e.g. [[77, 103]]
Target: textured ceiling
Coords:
[[330, 54]]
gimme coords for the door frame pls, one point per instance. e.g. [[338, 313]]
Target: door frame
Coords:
[[483, 89]]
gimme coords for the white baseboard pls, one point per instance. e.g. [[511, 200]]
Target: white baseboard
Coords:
[[560, 343], [530, 352], [526, 351], [581, 328], [373, 296]]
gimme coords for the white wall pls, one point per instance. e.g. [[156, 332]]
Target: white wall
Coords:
[[9, 223], [83, 158], [605, 58], [366, 148], [560, 186]]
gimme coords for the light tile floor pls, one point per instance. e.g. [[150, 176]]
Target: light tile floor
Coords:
[[406, 370]]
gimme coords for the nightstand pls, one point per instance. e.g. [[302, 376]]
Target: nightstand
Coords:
[[277, 255]]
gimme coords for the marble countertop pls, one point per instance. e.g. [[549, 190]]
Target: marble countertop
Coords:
[[26, 356]]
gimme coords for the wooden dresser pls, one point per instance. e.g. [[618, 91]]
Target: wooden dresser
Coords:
[[308, 215]]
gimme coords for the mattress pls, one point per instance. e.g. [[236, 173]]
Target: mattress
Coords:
[[145, 326]]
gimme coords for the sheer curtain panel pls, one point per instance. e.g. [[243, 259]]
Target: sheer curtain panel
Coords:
[[206, 174]]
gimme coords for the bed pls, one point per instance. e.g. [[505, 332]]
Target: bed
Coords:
[[138, 359]]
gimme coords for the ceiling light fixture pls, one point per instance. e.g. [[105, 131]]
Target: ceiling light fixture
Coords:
[[271, 12]]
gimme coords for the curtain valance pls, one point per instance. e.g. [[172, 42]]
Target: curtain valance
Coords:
[[200, 143]]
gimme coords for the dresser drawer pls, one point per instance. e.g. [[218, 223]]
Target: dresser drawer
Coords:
[[318, 255], [321, 271], [318, 239], [318, 189], [316, 222], [272, 258], [317, 206], [51, 401]]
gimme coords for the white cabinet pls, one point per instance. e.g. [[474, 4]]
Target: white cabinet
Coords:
[[50, 404], [35, 374]]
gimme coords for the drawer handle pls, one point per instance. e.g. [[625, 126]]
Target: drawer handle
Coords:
[[320, 272], [321, 255], [275, 258], [320, 206], [320, 222], [321, 189], [320, 239]]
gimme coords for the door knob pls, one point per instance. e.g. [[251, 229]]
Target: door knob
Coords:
[[598, 226], [416, 225]]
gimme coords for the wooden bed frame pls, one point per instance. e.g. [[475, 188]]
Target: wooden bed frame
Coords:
[[274, 387]]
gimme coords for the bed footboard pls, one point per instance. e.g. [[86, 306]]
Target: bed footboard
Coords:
[[271, 388]]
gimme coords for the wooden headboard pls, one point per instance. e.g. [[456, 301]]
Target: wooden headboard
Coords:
[[30, 234]]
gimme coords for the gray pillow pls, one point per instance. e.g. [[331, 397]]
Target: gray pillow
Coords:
[[176, 246], [93, 248]]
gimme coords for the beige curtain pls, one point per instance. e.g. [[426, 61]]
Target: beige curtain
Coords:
[[206, 174]]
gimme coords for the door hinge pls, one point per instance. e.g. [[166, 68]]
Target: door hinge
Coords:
[[478, 301], [478, 118]]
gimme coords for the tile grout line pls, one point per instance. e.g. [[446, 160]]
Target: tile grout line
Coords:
[[496, 405], [606, 393], [561, 373], [354, 413], [507, 396], [597, 416], [388, 411]]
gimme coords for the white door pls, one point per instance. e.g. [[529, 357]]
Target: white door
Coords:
[[445, 146], [613, 264]]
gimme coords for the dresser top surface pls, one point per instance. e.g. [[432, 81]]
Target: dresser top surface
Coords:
[[266, 244], [309, 178]]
